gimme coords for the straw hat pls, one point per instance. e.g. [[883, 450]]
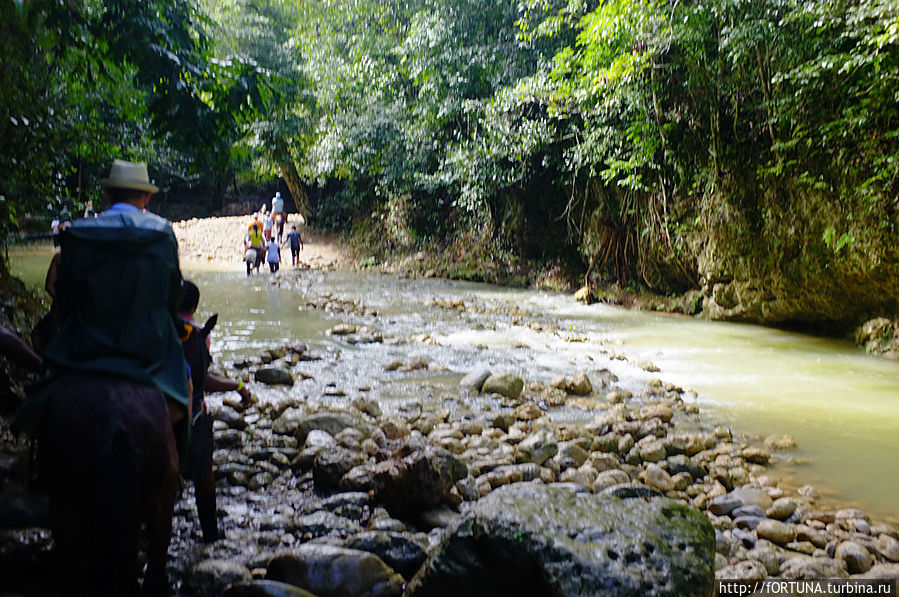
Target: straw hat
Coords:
[[129, 175]]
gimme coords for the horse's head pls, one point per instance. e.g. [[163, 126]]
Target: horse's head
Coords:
[[210, 323]]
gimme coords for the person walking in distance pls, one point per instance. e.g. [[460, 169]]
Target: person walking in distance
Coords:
[[296, 245], [274, 255]]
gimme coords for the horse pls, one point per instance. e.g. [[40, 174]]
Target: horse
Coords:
[[107, 456], [253, 258]]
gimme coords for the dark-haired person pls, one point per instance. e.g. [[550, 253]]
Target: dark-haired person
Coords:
[[195, 342], [296, 244]]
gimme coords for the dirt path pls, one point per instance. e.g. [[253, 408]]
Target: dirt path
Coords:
[[217, 244]]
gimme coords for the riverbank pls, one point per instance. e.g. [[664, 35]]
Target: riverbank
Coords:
[[217, 244], [474, 259]]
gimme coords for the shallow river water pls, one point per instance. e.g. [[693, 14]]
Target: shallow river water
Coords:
[[841, 405]]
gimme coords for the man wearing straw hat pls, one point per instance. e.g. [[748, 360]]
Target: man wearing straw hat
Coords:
[[115, 367]]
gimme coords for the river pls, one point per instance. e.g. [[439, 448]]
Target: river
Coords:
[[840, 404]]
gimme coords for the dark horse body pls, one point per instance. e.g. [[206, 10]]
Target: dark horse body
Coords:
[[108, 455]]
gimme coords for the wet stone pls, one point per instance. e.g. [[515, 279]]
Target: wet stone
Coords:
[[852, 513], [212, 577], [812, 567], [805, 547], [858, 559], [350, 505], [807, 533], [775, 531], [398, 550], [782, 508], [780, 442], [808, 492], [537, 448], [888, 547], [230, 417], [746, 538], [609, 478], [753, 496], [331, 570], [260, 481], [273, 522], [659, 411], [265, 588], [367, 406], [475, 379], [724, 504], [504, 384], [571, 455], [751, 510], [319, 438], [580, 385], [748, 522], [657, 478], [528, 411], [321, 523], [540, 533], [274, 376], [229, 439], [652, 451], [745, 570], [331, 464], [681, 481], [681, 463]]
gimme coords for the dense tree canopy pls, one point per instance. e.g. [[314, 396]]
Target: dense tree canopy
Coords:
[[86, 81], [668, 143]]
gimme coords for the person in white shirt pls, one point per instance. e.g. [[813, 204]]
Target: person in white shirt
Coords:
[[274, 255], [54, 231], [267, 224]]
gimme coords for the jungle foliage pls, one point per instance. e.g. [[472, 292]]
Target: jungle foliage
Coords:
[[673, 144]]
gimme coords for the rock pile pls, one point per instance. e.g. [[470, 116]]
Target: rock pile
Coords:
[[371, 502]]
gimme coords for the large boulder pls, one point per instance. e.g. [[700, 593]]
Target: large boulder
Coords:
[[504, 384], [475, 379], [527, 539], [331, 464], [332, 422], [880, 336], [265, 588], [212, 577], [409, 484], [398, 550], [274, 376], [288, 421], [580, 385], [330, 571]]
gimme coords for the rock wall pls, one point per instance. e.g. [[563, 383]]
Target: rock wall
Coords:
[[787, 258]]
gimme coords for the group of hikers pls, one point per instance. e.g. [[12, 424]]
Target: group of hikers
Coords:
[[120, 413], [260, 242]]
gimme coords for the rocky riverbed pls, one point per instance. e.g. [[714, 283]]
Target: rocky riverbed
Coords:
[[480, 492], [306, 488]]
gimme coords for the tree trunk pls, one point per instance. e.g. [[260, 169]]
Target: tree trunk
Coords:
[[297, 190]]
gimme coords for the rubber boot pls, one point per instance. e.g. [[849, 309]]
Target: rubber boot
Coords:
[[208, 521]]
